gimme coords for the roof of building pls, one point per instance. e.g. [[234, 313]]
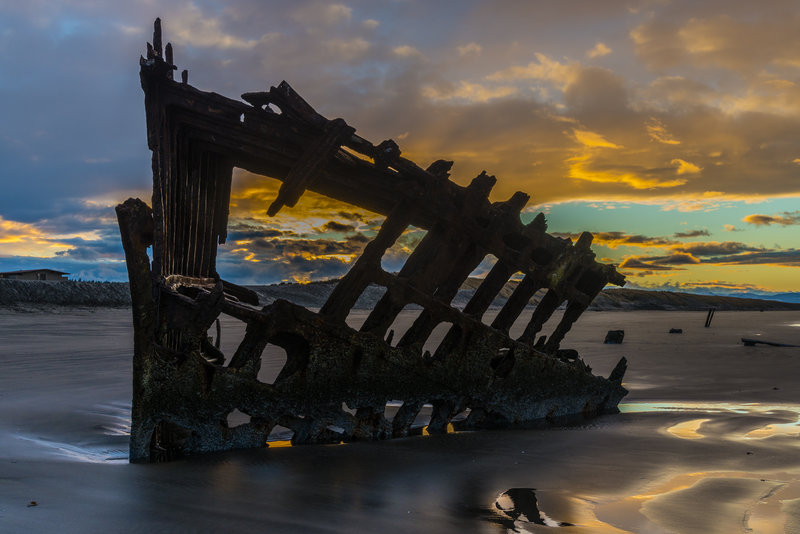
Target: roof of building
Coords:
[[33, 271]]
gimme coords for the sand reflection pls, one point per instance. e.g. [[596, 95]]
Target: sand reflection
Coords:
[[746, 421], [688, 429], [709, 502]]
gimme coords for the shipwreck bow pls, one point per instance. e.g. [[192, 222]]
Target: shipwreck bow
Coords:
[[337, 381]]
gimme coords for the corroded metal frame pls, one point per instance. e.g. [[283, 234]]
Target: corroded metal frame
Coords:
[[337, 381]]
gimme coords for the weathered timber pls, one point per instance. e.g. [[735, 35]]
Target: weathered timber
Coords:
[[336, 382], [749, 342], [710, 316]]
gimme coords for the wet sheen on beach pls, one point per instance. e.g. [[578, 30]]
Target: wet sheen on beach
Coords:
[[706, 441]]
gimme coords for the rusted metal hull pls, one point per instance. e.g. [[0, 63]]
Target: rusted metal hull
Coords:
[[337, 381]]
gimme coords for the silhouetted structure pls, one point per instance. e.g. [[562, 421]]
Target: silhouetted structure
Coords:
[[710, 316], [35, 274], [183, 389], [614, 337]]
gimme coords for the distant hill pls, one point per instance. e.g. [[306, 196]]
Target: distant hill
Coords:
[[783, 297], [36, 295], [314, 294], [637, 299]]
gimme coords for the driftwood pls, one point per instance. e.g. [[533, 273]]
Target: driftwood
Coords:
[[749, 342], [337, 381], [710, 316]]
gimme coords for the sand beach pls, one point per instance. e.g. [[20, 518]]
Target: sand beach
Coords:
[[707, 441]]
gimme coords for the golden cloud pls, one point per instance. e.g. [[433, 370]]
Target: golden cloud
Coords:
[[25, 239], [658, 132], [599, 50], [592, 139], [544, 69], [469, 92], [580, 168], [685, 167]]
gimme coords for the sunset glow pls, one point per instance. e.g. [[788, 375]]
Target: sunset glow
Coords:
[[671, 130]]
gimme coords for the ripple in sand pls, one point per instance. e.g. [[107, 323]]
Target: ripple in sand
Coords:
[[117, 416], [79, 453]]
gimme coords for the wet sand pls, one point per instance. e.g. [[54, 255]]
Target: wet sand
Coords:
[[707, 441]]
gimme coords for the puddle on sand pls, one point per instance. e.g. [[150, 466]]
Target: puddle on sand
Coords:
[[779, 419], [786, 429], [518, 508], [709, 502], [688, 429]]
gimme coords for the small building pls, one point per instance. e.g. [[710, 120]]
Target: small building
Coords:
[[35, 274]]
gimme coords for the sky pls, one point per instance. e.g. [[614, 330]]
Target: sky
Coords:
[[669, 129]]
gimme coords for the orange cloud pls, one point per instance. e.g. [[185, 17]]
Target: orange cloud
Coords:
[[24, 239]]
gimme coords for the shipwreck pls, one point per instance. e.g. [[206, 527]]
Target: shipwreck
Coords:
[[337, 381]]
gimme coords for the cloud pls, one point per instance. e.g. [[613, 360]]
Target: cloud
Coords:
[[691, 233], [679, 258], [590, 168], [731, 41], [406, 51], [684, 167], [470, 49], [24, 239], [333, 226], [617, 239], [543, 69], [713, 248], [320, 14], [191, 25], [658, 132], [592, 139], [468, 92], [348, 49], [786, 219], [697, 109], [710, 255], [638, 264], [781, 258], [599, 50]]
